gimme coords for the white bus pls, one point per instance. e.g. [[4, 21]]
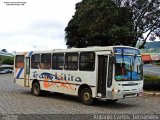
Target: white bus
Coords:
[[109, 73]]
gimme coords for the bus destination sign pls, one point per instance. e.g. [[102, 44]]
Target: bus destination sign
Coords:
[[127, 51]]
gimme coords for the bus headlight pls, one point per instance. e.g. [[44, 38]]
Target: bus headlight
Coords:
[[115, 90]]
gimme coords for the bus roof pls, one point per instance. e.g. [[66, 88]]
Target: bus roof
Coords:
[[94, 48]]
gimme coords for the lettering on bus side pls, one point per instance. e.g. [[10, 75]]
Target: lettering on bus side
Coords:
[[56, 76]]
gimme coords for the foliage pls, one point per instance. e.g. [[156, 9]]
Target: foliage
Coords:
[[113, 22], [7, 60], [151, 82], [157, 64], [99, 23], [151, 78], [146, 18]]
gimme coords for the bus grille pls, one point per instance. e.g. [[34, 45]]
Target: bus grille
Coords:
[[130, 84]]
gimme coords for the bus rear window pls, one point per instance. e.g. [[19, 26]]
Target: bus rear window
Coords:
[[19, 63]]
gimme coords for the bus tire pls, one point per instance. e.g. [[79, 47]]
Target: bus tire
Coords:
[[86, 96], [36, 89]]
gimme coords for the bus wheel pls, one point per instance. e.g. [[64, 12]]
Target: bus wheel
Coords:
[[36, 89], [112, 101], [86, 96]]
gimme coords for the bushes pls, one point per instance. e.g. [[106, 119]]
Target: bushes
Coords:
[[151, 82], [151, 78], [6, 60]]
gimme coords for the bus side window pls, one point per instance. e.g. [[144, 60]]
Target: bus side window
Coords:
[[35, 61], [58, 61], [71, 61], [45, 61], [87, 61], [19, 63]]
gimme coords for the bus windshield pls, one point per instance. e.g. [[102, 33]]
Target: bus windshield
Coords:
[[128, 68]]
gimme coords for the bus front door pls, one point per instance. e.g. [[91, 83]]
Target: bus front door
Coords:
[[102, 74], [27, 72]]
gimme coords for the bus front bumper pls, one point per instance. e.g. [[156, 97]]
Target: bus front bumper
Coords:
[[122, 94]]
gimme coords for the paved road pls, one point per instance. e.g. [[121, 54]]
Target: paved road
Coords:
[[18, 100], [150, 69]]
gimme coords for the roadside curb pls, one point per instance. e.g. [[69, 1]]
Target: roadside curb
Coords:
[[151, 93]]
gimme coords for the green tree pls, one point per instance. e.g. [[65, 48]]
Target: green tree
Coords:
[[145, 17], [99, 23], [113, 22], [8, 61]]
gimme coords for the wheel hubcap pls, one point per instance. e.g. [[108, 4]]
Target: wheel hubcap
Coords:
[[86, 96]]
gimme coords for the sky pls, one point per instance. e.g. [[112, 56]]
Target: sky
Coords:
[[36, 25]]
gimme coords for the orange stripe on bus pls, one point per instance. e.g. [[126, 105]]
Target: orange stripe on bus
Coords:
[[65, 82], [16, 70], [64, 85], [69, 85], [46, 83]]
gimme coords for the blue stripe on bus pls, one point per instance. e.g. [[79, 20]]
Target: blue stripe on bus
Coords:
[[30, 54], [19, 73]]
